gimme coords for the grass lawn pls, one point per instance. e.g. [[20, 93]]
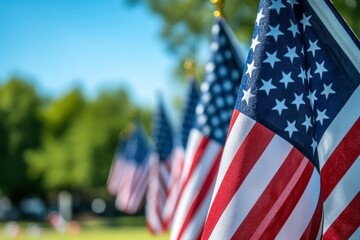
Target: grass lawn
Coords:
[[91, 230]]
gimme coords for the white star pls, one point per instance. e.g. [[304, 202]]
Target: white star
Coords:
[[214, 46], [286, 79], [321, 116], [291, 53], [274, 32], [298, 100], [254, 43], [247, 96], [277, 5], [312, 98], [308, 75], [271, 59], [302, 75], [250, 68], [215, 29], [307, 123], [280, 106], [259, 16], [306, 21], [209, 67], [293, 28], [327, 90], [267, 86], [292, 3], [313, 47], [314, 145], [291, 128], [302, 50], [320, 69]]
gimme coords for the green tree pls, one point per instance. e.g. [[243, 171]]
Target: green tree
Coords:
[[80, 141], [186, 22], [20, 129]]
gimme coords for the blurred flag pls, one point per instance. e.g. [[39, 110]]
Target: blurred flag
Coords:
[[160, 168], [188, 121], [134, 171], [115, 173], [297, 114], [204, 148]]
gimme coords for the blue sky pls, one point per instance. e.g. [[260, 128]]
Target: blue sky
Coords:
[[91, 44]]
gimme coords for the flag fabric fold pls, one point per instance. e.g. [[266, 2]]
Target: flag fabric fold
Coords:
[[160, 169], [188, 120], [115, 173], [292, 152], [129, 174], [206, 139]]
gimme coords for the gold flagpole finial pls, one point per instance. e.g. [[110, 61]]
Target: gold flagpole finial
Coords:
[[219, 4], [189, 67]]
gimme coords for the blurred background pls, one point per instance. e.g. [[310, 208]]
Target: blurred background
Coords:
[[73, 75]]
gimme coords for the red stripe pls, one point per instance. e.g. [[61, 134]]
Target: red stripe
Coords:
[[270, 195], [245, 158], [291, 201], [164, 181], [341, 160], [123, 181], [197, 156], [207, 186], [175, 186], [233, 119], [313, 228], [137, 192], [347, 222]]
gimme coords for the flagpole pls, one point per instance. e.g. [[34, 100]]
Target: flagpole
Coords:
[[219, 5]]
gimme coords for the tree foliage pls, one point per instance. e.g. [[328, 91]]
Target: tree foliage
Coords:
[[68, 143], [187, 22], [20, 129]]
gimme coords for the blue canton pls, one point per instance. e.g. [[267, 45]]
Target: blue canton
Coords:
[[191, 100], [296, 78], [162, 134], [218, 91], [136, 148]]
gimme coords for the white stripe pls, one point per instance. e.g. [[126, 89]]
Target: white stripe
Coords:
[[241, 128], [252, 187], [196, 225], [164, 173], [319, 235], [280, 199], [174, 191], [193, 143], [302, 214], [139, 191], [340, 126], [343, 193], [194, 184], [337, 31], [356, 235], [153, 219]]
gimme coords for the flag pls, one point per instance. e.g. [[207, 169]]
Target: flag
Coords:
[[205, 145], [115, 173], [133, 169], [176, 182], [292, 151], [160, 168]]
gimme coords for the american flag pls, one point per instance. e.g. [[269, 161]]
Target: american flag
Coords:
[[160, 168], [188, 120], [134, 171], [115, 173], [292, 152], [206, 140]]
